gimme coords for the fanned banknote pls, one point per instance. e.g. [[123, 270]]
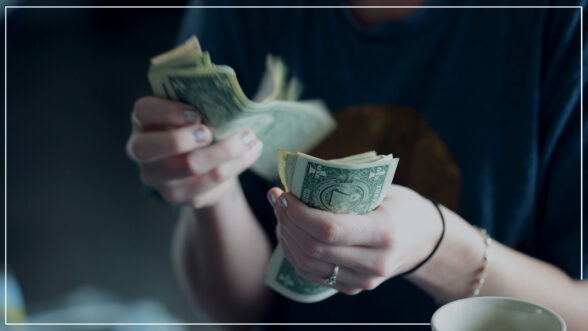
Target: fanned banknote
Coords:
[[352, 185], [187, 74]]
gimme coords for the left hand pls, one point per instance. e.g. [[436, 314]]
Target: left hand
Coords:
[[369, 248]]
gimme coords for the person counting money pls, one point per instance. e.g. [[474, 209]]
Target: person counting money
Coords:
[[483, 114]]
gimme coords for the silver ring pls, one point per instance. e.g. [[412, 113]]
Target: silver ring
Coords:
[[331, 280]]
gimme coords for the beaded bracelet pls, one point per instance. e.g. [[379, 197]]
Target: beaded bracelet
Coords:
[[483, 270]]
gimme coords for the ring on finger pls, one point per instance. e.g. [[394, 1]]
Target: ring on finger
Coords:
[[332, 279]]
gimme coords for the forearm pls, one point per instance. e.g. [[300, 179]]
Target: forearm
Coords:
[[220, 254], [514, 274], [450, 274]]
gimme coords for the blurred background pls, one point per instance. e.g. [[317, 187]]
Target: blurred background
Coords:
[[85, 242]]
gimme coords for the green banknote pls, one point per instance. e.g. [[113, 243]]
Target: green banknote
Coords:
[[186, 74], [353, 185]]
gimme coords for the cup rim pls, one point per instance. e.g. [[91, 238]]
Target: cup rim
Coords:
[[492, 298]]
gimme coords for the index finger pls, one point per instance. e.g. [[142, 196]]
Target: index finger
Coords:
[[149, 112], [330, 228]]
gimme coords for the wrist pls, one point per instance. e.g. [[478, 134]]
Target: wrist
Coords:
[[436, 245], [450, 273], [229, 211], [218, 197]]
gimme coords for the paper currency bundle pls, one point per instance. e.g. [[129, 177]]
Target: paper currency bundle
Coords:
[[353, 185], [187, 74]]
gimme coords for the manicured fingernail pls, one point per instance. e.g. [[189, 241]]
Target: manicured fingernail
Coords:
[[199, 134], [283, 201], [190, 116], [247, 137], [272, 199]]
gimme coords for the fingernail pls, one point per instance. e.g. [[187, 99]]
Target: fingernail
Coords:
[[199, 134], [190, 116], [283, 202], [247, 137], [272, 199]]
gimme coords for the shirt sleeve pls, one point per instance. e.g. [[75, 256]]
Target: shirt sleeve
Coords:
[[560, 146]]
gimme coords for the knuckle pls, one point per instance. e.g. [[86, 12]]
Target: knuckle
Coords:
[[329, 232], [136, 149], [194, 163], [174, 142], [387, 239], [174, 167], [228, 149], [313, 248], [218, 174], [190, 165], [382, 267], [141, 106]]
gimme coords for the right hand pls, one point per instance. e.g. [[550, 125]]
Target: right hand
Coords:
[[175, 155]]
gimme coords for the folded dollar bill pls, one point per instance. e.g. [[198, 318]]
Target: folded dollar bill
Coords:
[[187, 74], [352, 185]]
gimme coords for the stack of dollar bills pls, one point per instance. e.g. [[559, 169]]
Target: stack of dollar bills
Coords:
[[187, 74], [353, 185]]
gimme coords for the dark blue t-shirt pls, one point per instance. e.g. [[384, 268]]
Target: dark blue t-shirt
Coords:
[[481, 105]]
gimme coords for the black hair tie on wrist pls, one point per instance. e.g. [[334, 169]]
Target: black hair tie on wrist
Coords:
[[436, 246]]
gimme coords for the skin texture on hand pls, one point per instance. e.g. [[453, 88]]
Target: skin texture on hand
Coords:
[[175, 156], [369, 249]]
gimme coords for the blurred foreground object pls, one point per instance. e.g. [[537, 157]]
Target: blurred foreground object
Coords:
[[15, 310], [93, 305]]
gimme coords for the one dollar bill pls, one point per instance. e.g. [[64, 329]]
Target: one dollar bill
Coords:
[[187, 74], [353, 185]]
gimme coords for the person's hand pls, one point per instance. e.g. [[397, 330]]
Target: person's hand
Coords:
[[176, 157], [369, 249]]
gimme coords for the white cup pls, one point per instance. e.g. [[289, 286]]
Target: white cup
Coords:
[[495, 313]]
